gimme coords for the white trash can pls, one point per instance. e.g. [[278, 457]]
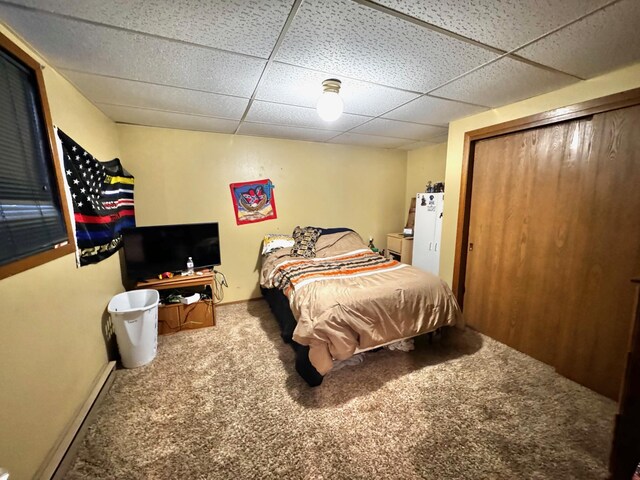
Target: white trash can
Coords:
[[135, 320]]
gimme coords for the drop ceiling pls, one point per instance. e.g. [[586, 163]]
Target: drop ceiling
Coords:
[[255, 67]]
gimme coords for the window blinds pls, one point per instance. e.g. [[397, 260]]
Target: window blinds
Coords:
[[31, 220]]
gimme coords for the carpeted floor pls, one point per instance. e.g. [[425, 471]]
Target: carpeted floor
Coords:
[[226, 402]]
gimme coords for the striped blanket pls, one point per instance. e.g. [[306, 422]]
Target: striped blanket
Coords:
[[294, 274], [350, 299]]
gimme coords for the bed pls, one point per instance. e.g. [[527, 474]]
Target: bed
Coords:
[[334, 297]]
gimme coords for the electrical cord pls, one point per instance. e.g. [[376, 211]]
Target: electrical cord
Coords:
[[219, 281]]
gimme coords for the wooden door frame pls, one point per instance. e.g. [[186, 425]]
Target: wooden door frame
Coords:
[[571, 112]]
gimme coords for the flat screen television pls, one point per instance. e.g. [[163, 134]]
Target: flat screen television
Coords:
[[150, 251]]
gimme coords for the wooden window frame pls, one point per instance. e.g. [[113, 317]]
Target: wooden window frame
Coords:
[[45, 256]]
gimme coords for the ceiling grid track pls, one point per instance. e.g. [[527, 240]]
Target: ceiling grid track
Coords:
[[126, 30], [283, 32], [501, 53], [413, 108], [146, 82]]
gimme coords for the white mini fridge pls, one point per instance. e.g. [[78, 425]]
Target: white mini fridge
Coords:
[[427, 231]]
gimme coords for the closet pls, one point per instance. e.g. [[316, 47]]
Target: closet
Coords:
[[549, 237]]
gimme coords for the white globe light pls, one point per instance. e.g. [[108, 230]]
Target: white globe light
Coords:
[[330, 104]]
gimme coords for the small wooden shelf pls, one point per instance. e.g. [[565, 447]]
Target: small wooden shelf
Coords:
[[400, 247], [174, 317]]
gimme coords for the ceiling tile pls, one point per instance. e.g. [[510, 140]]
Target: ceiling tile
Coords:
[[416, 145], [247, 26], [279, 114], [279, 131], [425, 143], [502, 82], [349, 39], [368, 140], [85, 47], [300, 86], [440, 139], [504, 24], [434, 111], [130, 93], [156, 118], [394, 128], [608, 39], [384, 61]]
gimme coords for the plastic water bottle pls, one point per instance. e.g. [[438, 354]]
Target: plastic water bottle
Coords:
[[190, 266]]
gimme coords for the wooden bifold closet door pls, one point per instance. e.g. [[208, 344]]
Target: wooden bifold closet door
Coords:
[[554, 239]]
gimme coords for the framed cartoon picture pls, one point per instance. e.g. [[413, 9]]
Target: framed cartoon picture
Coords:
[[253, 201]]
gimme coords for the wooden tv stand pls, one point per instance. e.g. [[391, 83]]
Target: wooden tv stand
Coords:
[[178, 281], [174, 317]]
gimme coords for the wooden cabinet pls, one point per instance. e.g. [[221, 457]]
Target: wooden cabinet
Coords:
[[400, 247], [174, 317], [177, 316]]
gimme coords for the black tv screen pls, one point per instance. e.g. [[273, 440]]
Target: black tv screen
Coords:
[[150, 251]]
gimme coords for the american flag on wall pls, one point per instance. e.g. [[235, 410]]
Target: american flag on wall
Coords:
[[102, 198]]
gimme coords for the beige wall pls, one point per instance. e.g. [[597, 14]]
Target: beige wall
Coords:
[[51, 341], [184, 177], [424, 164], [618, 81]]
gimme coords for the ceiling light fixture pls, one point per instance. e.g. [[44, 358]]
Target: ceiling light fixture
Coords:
[[330, 104]]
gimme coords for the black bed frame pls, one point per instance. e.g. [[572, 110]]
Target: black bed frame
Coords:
[[279, 305]]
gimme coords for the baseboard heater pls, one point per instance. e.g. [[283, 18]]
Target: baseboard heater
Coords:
[[59, 460]]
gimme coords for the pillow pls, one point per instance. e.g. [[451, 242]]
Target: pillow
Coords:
[[305, 242], [338, 243], [329, 231], [275, 241]]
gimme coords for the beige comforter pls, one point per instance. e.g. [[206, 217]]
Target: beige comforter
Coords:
[[349, 299]]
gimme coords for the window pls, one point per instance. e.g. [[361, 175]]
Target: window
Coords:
[[34, 223]]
